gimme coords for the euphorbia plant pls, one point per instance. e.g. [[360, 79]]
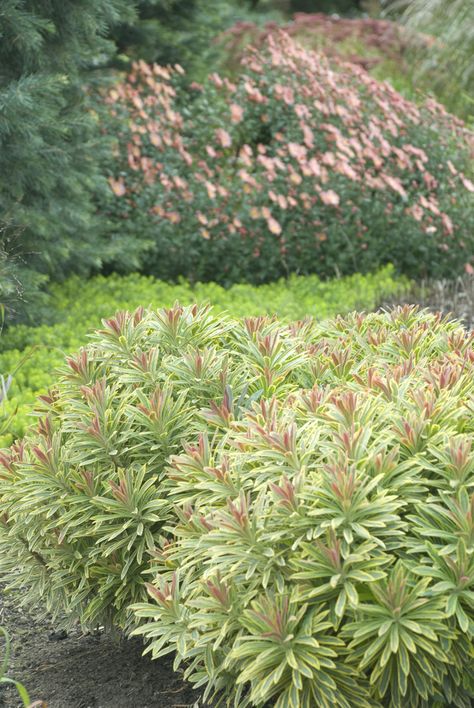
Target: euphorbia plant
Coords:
[[300, 165], [82, 502], [325, 555], [297, 499]]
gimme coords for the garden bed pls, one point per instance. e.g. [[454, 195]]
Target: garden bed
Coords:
[[85, 671]]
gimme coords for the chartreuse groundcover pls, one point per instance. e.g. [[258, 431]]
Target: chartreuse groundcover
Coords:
[[288, 508]]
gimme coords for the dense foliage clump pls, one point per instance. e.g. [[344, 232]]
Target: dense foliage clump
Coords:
[[299, 495], [74, 308], [323, 553], [299, 166], [95, 510]]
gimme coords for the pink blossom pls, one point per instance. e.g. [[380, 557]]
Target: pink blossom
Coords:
[[330, 198], [117, 186], [273, 226], [223, 138], [395, 184], [447, 224], [467, 183], [297, 151]]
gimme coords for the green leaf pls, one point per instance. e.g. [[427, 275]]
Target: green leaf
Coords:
[[341, 604]]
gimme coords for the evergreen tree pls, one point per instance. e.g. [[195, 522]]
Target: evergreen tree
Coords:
[[48, 172]]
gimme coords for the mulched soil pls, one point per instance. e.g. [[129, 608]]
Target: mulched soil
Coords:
[[86, 671]]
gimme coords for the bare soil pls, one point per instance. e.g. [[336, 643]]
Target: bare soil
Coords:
[[86, 671]]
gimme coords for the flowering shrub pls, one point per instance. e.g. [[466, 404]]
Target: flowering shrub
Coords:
[[76, 308], [300, 166], [324, 547], [300, 495]]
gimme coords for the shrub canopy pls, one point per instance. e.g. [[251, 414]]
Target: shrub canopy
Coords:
[[323, 553], [300, 166], [300, 495], [122, 406]]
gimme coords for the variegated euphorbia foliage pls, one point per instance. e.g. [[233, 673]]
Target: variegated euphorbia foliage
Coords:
[[300, 165], [82, 501], [324, 550], [298, 497]]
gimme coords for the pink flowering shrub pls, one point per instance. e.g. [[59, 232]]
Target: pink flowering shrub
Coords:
[[302, 166]]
